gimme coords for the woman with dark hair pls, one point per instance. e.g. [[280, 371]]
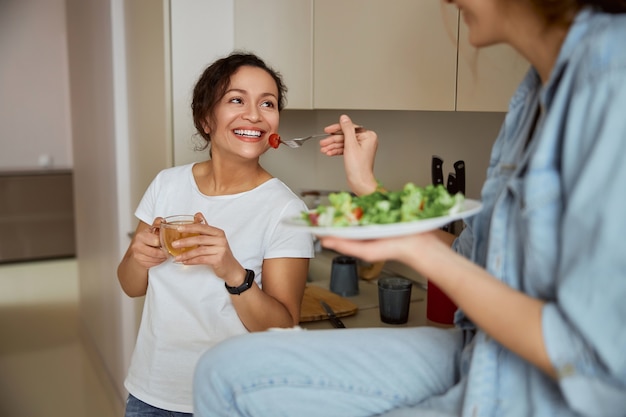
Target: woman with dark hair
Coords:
[[539, 275], [243, 271], [214, 83]]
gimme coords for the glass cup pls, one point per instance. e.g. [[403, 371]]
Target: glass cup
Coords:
[[394, 299], [344, 278], [169, 233]]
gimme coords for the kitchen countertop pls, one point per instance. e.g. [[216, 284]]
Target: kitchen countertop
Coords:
[[34, 171], [368, 314], [367, 300]]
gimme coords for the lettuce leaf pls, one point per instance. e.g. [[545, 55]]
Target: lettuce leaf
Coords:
[[385, 207]]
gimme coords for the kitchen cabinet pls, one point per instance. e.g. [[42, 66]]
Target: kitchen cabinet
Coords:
[[36, 215], [364, 54], [197, 32], [369, 54], [409, 60], [280, 32]]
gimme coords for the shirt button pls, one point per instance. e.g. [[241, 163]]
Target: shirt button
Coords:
[[498, 261], [567, 370]]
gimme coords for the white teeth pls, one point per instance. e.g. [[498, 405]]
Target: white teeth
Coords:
[[253, 133]]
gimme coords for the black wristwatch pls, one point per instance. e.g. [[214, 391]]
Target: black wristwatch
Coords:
[[247, 283]]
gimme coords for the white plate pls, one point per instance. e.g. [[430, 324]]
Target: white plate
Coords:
[[377, 231]]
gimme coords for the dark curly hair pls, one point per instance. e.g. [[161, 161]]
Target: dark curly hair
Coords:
[[563, 11], [214, 82]]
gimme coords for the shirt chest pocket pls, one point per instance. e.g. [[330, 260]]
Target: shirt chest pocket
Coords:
[[536, 224]]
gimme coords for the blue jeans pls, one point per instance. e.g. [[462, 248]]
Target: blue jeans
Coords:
[[331, 373], [137, 408]]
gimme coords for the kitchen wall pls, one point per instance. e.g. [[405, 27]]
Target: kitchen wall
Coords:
[[407, 141], [102, 179], [34, 85]]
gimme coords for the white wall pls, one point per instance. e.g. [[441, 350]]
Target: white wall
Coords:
[[103, 174], [34, 93], [407, 142], [189, 20]]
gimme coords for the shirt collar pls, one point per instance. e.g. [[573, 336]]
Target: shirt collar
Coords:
[[576, 32]]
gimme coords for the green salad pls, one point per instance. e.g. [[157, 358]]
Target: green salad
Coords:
[[384, 207]]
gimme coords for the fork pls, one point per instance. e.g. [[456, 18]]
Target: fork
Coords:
[[297, 142]]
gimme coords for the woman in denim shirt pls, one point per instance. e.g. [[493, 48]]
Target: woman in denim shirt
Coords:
[[539, 274]]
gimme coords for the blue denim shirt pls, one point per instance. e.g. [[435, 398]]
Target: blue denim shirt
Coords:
[[552, 226]]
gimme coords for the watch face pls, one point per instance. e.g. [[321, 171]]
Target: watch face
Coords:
[[247, 283]]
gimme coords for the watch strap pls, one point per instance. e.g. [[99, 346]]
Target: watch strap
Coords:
[[247, 284]]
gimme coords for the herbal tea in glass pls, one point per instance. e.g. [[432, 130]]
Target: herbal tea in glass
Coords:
[[169, 233]]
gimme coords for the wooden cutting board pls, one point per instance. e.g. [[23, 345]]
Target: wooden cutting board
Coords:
[[312, 310]]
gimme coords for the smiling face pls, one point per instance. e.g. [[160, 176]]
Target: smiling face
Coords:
[[246, 115]]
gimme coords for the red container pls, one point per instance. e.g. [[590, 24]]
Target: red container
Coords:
[[439, 308]]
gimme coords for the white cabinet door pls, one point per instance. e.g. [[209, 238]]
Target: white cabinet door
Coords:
[[201, 31], [487, 78], [280, 32], [384, 55]]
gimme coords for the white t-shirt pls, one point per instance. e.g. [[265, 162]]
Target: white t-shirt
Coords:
[[187, 308]]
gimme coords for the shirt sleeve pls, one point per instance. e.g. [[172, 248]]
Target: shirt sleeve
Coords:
[[290, 243], [584, 328], [145, 209], [464, 243]]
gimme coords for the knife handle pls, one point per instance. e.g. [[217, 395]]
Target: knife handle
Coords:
[[452, 188], [334, 320], [436, 170], [459, 169], [452, 185], [338, 324]]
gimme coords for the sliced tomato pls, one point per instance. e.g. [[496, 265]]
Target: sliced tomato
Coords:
[[313, 217], [358, 213], [274, 140]]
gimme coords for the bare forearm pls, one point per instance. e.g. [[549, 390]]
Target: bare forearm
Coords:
[[509, 316], [143, 253], [278, 303], [132, 276], [447, 238], [258, 311]]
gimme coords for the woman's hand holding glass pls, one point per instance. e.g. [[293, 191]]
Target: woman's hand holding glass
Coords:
[[146, 245], [209, 246]]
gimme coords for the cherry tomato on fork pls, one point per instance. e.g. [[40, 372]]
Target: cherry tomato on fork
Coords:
[[274, 140], [313, 218]]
